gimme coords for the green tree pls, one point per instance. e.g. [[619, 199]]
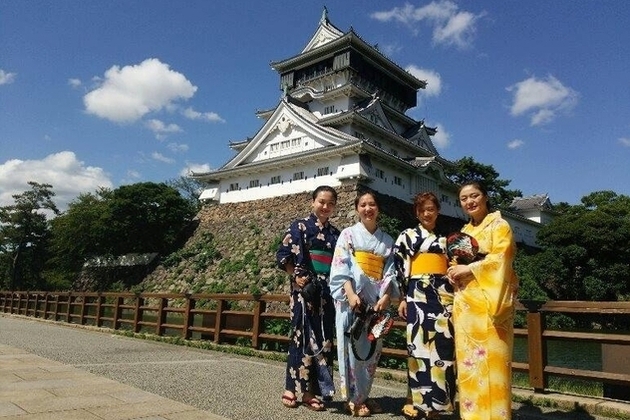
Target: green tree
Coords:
[[147, 217], [467, 169], [82, 232], [586, 250], [24, 236], [139, 218]]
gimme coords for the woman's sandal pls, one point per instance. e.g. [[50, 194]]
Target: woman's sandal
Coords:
[[314, 404], [358, 410], [289, 401], [410, 412]]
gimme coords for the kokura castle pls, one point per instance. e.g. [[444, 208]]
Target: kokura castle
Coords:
[[342, 119]]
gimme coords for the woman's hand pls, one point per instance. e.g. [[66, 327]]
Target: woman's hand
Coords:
[[402, 309], [459, 275], [354, 300], [301, 281], [383, 303]]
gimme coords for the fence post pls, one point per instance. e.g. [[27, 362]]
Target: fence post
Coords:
[[99, 309], [161, 316], [218, 321], [69, 308], [189, 316], [536, 345], [118, 311], [137, 317], [259, 308]]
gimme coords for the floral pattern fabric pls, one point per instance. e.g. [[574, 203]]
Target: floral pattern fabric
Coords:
[[483, 316], [430, 331], [310, 355], [356, 376]]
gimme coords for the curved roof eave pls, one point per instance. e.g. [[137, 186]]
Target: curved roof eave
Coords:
[[348, 39]]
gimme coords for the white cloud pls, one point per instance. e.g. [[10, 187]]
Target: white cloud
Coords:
[[542, 99], [68, 176], [161, 158], [197, 168], [515, 144], [75, 83], [451, 26], [433, 79], [191, 114], [160, 129], [6, 78], [177, 147], [127, 94], [625, 141], [442, 138]]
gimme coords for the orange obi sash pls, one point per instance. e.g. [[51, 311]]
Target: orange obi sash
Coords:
[[371, 264], [428, 263]]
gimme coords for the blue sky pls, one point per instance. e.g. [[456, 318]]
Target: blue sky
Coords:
[[101, 94]]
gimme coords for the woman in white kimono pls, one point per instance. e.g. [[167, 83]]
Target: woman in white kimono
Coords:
[[362, 272]]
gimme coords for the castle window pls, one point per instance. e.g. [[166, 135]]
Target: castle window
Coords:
[[285, 144], [379, 173], [298, 175], [329, 109], [274, 146], [234, 186], [397, 180], [323, 171], [296, 142], [359, 135], [253, 183], [276, 179]]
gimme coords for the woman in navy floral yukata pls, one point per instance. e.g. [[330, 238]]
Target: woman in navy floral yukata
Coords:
[[306, 254]]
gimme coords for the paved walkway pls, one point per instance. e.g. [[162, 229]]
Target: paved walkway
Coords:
[[54, 371]]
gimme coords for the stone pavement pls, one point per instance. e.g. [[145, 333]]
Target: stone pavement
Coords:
[[35, 388], [55, 371]]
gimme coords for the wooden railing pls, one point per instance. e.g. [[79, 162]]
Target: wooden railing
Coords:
[[208, 316]]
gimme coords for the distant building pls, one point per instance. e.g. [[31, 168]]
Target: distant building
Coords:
[[341, 119]]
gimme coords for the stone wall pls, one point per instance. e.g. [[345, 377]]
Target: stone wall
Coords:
[[247, 234]]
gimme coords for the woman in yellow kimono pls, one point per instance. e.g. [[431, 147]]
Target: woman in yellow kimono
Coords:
[[483, 312]]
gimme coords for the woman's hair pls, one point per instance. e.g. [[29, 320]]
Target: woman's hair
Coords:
[[422, 198], [478, 185], [365, 191], [325, 188]]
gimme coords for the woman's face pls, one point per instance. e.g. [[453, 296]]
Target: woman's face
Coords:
[[324, 205], [367, 209], [473, 202], [427, 214]]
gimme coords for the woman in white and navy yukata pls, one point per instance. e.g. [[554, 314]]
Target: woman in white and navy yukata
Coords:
[[306, 253]]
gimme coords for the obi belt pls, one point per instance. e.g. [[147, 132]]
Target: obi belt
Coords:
[[371, 264], [428, 263], [321, 260]]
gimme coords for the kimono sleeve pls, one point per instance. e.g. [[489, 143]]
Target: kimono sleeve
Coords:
[[341, 269], [290, 248], [495, 273]]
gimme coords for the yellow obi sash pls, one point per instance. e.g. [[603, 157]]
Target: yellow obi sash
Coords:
[[371, 264], [428, 263]]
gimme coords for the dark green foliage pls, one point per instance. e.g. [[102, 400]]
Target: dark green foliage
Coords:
[[467, 169], [389, 225], [25, 237]]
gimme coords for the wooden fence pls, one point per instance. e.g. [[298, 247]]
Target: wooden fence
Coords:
[[209, 316]]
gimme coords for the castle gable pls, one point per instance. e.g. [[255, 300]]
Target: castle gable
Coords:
[[291, 129], [325, 33]]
